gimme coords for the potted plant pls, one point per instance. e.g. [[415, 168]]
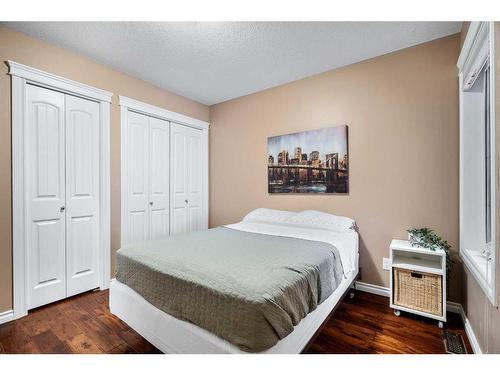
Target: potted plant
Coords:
[[427, 238]]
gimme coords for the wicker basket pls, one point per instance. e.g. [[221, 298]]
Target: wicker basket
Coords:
[[418, 291]]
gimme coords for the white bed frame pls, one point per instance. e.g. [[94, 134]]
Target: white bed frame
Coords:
[[172, 335]]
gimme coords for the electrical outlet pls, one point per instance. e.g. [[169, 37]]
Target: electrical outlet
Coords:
[[386, 264]]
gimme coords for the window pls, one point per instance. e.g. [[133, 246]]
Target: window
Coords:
[[477, 162]]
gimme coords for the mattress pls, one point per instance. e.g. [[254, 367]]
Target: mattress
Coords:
[[248, 288]]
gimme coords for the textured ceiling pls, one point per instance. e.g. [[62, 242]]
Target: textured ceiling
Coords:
[[216, 61]]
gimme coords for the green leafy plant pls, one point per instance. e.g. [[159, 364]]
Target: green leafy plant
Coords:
[[427, 238]]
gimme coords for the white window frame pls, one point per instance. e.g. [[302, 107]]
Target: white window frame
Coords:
[[22, 75], [479, 43]]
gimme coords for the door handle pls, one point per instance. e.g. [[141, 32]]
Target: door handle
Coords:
[[185, 200], [62, 209], [150, 203]]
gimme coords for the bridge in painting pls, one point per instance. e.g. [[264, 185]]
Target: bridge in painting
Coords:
[[291, 178]]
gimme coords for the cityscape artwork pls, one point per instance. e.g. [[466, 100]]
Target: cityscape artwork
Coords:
[[313, 161]]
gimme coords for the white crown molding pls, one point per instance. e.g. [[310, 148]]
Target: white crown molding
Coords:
[[6, 316], [151, 110], [60, 83]]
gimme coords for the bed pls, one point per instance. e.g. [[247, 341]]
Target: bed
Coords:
[[265, 284]]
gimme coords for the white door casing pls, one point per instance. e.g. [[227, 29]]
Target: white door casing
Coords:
[[24, 79], [82, 195], [46, 196]]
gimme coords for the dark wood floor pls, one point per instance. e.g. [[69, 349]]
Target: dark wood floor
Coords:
[[366, 324], [83, 324]]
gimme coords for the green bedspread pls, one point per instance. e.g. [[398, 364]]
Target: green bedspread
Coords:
[[250, 289]]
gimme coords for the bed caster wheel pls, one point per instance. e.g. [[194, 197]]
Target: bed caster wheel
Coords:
[[440, 325], [351, 295], [397, 312]]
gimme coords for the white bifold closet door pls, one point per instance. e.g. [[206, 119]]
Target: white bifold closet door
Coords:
[[82, 195], [147, 164], [63, 185], [186, 183]]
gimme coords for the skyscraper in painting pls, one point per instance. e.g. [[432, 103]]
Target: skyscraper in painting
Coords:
[[315, 161], [283, 157]]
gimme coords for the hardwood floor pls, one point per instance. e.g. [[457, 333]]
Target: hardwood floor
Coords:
[[366, 324], [83, 324]]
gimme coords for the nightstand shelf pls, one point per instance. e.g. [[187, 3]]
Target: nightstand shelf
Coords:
[[416, 264], [418, 280]]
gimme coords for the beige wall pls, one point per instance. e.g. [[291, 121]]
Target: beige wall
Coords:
[[402, 113], [483, 316], [403, 142], [26, 50]]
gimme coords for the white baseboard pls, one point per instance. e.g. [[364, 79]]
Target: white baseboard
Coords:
[[6, 316], [454, 307], [470, 332], [450, 306], [373, 289]]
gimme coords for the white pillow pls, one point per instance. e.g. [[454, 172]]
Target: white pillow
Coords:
[[321, 220], [268, 215]]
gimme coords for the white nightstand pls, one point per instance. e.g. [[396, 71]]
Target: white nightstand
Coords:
[[418, 280]]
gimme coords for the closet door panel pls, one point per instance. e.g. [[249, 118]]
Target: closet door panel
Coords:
[[195, 183], [179, 220], [159, 178], [195, 219], [138, 162], [82, 194], [187, 179], [179, 182], [45, 160], [159, 219]]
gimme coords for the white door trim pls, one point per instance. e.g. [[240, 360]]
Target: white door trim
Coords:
[[128, 104], [22, 75], [49, 80], [164, 114]]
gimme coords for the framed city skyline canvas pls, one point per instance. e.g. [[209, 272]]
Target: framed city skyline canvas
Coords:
[[309, 162]]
